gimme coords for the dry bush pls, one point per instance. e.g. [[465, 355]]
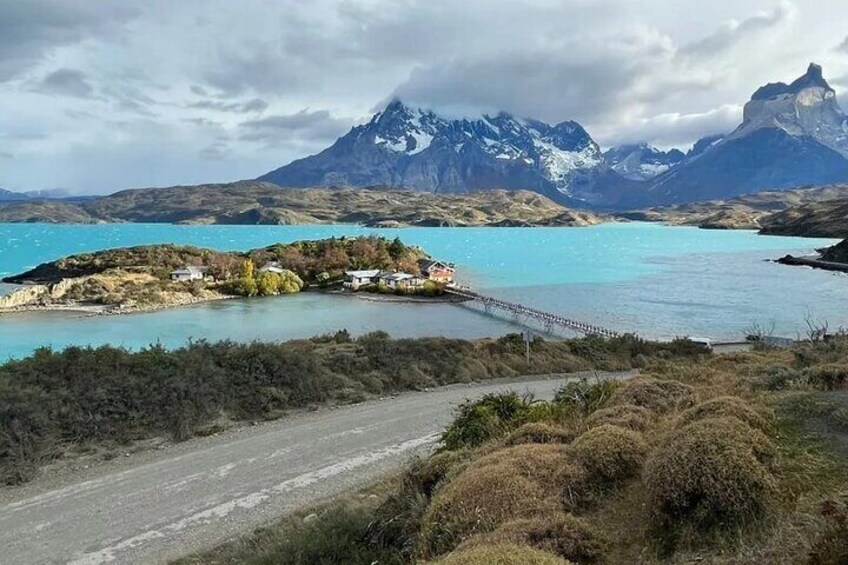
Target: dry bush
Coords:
[[610, 454], [560, 534], [636, 418], [397, 519], [828, 376], [516, 482], [656, 395], [501, 554], [539, 432], [710, 477], [723, 407]]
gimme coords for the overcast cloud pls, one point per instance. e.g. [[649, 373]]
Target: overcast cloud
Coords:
[[100, 96]]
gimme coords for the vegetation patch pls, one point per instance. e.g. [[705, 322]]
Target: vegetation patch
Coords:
[[561, 534], [659, 396], [636, 418], [110, 396], [539, 432], [827, 376], [501, 554], [610, 454], [516, 482], [711, 476], [724, 407]]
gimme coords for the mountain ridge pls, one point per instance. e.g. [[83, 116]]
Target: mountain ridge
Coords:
[[791, 135]]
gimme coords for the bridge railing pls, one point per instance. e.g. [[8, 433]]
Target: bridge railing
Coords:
[[545, 317]]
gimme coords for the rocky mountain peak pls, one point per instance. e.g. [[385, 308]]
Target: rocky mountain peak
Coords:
[[806, 107], [813, 78]]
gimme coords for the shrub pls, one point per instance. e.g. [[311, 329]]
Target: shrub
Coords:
[[774, 378], [829, 376], [501, 554], [539, 432], [831, 545], [479, 421], [709, 477], [636, 418], [723, 407], [398, 518], [336, 536], [583, 396], [560, 534], [610, 454], [656, 395], [516, 482]]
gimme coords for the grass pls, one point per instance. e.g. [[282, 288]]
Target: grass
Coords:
[[696, 461]]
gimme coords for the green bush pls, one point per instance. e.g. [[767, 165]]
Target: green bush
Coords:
[[336, 536], [481, 420], [584, 396]]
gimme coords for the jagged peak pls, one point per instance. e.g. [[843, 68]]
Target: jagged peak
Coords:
[[813, 78]]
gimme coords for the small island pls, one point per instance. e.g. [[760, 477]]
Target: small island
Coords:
[[153, 277]]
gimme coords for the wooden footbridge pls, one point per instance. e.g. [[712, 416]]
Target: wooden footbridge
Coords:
[[550, 321]]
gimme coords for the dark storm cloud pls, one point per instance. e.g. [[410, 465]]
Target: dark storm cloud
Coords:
[[305, 125], [66, 82], [31, 28]]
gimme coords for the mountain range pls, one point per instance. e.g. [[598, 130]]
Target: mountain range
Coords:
[[791, 135], [50, 194]]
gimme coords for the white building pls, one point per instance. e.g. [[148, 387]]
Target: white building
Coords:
[[189, 274], [356, 279]]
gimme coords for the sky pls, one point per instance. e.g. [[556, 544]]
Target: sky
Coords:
[[101, 96]]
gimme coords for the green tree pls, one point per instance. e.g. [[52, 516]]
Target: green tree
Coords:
[[397, 249]]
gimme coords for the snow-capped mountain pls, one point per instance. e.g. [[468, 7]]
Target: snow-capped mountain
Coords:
[[642, 161], [791, 135], [415, 148]]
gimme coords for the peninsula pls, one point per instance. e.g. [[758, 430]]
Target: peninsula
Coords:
[[152, 277]]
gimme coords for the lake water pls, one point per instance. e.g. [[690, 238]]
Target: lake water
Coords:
[[655, 280]]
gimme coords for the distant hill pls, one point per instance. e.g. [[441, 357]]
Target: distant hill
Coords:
[[10, 196], [251, 202], [770, 211]]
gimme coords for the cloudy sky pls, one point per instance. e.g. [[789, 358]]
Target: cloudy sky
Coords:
[[99, 96]]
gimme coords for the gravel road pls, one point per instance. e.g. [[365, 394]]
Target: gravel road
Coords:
[[161, 505]]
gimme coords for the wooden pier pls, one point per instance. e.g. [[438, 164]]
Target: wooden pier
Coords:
[[550, 321]]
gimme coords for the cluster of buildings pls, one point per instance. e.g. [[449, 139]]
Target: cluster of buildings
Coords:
[[436, 271]]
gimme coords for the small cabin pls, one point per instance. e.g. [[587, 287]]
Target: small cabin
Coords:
[[437, 271], [354, 280], [187, 274], [395, 281]]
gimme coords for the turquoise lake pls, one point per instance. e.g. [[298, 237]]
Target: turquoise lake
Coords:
[[654, 280]]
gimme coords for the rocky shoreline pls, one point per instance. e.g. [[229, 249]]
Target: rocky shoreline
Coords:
[[91, 310]]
